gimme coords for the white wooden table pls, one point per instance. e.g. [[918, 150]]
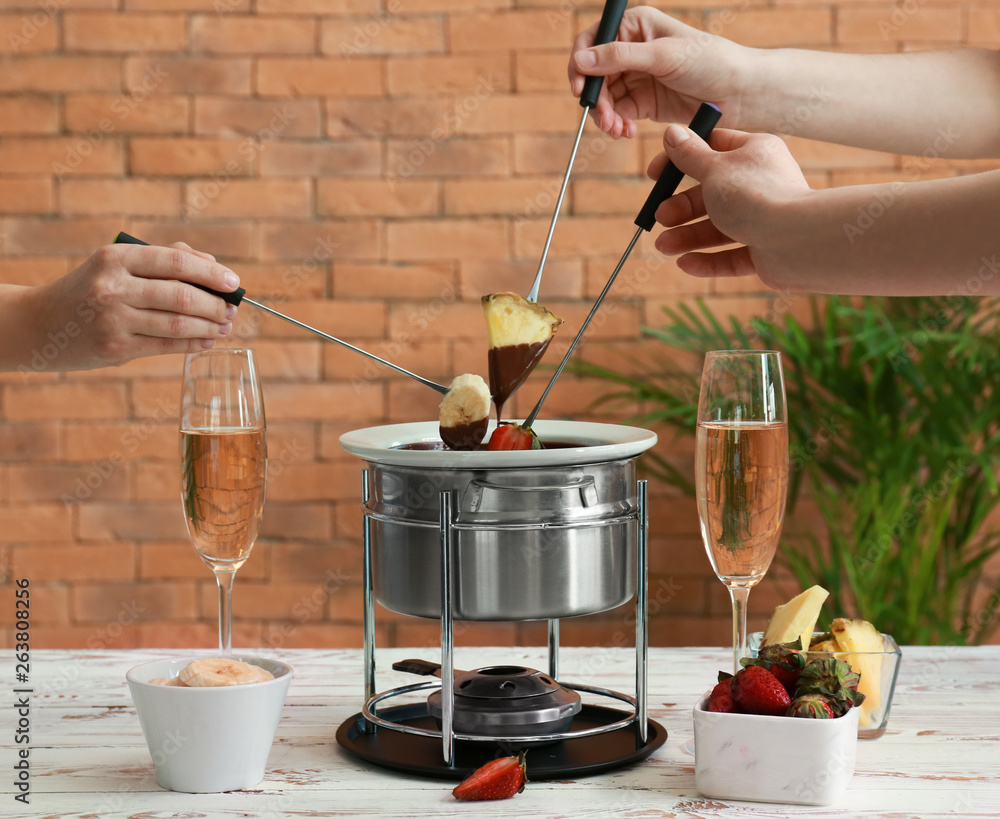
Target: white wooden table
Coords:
[[940, 756]]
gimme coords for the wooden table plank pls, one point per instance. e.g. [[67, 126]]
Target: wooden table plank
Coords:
[[940, 757]]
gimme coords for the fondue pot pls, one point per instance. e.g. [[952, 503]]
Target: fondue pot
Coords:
[[538, 534]]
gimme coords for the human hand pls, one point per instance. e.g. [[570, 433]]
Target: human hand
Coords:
[[748, 185], [659, 69], [129, 301]]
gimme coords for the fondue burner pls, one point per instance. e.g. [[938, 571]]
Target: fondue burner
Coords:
[[502, 700], [471, 717]]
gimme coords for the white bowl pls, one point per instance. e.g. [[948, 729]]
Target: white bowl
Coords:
[[208, 740], [773, 759], [597, 443]]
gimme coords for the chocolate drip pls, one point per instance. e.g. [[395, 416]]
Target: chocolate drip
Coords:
[[509, 365]]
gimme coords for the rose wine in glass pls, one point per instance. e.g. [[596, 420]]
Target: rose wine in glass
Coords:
[[741, 471], [223, 465]]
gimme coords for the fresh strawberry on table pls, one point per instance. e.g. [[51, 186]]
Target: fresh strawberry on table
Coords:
[[497, 779], [757, 691], [513, 436], [811, 706]]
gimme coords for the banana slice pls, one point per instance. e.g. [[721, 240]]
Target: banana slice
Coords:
[[212, 672], [175, 681]]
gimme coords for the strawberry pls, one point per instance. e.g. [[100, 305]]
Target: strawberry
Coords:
[[757, 691], [784, 660], [811, 706], [513, 436], [833, 678], [721, 698], [498, 779]]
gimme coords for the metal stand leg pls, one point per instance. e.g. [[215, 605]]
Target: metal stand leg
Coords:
[[369, 602], [642, 615], [554, 650], [447, 631]]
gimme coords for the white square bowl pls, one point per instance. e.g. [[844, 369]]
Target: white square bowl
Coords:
[[773, 759]]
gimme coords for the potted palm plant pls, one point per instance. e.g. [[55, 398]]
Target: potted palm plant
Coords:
[[894, 432]]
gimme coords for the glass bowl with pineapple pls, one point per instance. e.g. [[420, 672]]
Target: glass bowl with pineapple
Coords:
[[875, 656]]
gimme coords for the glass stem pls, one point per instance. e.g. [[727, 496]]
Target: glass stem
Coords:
[[225, 581], [739, 595]]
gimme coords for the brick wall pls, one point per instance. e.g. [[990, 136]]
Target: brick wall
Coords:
[[375, 166]]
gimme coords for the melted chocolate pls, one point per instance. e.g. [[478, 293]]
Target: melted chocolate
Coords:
[[438, 446], [464, 436], [509, 366]]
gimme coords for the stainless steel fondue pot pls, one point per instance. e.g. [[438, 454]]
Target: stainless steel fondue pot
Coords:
[[539, 534]]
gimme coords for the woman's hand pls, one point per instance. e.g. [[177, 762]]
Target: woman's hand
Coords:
[[659, 69], [126, 301]]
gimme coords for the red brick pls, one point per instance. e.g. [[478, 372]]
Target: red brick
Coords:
[[384, 33], [232, 116], [445, 157], [332, 401], [188, 75], [411, 401], [135, 197], [26, 195], [28, 442], [127, 113], [90, 154], [132, 521], [562, 278], [318, 76], [885, 24], [491, 112], [97, 561], [320, 241], [53, 400], [597, 155], [248, 198], [443, 317], [430, 359], [519, 197], [424, 634], [604, 196], [339, 158], [312, 521], [98, 32], [123, 603], [508, 31], [575, 236], [454, 239], [426, 6], [195, 156], [404, 281], [24, 34], [375, 197], [225, 6], [765, 28], [170, 560], [317, 7], [101, 480], [49, 605], [252, 35], [73, 636], [61, 75], [22, 115], [387, 117], [155, 481], [423, 76], [541, 71], [227, 241], [811, 154], [321, 635], [984, 25]]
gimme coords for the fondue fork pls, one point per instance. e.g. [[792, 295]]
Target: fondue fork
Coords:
[[239, 295], [704, 121], [607, 32]]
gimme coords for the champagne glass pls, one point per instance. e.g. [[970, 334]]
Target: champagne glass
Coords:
[[223, 465], [741, 471]]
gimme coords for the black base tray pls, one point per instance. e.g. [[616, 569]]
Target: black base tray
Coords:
[[415, 754]]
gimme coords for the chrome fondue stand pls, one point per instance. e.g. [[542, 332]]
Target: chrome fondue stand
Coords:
[[371, 722]]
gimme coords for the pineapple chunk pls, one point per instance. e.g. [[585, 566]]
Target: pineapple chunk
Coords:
[[824, 645], [862, 637], [796, 619], [512, 319]]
